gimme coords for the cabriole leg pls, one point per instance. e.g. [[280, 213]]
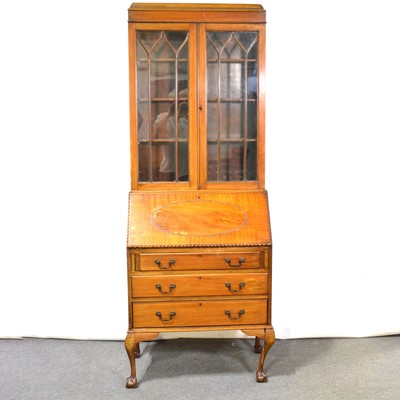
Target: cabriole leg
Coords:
[[269, 339], [130, 346]]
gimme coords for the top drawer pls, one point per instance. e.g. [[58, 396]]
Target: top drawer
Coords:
[[200, 261]]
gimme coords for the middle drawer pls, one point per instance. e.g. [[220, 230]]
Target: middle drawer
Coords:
[[199, 285]]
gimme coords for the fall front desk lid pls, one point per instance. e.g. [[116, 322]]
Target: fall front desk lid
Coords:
[[198, 219]]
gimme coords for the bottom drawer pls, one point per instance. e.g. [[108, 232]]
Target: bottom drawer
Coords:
[[199, 313]]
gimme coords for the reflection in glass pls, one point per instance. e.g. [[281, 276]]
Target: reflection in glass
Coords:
[[167, 166], [162, 88], [232, 91]]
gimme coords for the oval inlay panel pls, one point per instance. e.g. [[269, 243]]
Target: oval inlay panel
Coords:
[[195, 218]]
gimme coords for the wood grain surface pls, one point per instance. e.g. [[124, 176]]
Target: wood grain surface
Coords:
[[198, 313], [167, 286], [198, 217], [179, 12], [142, 232], [202, 259]]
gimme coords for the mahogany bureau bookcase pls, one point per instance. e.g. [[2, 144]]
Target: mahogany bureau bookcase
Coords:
[[199, 244]]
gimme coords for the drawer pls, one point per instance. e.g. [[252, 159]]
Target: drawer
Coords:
[[197, 261], [197, 313], [199, 285]]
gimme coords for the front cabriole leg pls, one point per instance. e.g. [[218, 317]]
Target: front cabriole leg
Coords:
[[130, 346], [269, 339]]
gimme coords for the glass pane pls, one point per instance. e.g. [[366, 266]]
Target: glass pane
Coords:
[[212, 80], [142, 81], [212, 120], [162, 88], [183, 52], [144, 160], [215, 43], [183, 162], [252, 120], [164, 125], [231, 120], [163, 162], [147, 39], [251, 161], [246, 40], [232, 91], [229, 166], [231, 162], [252, 55], [141, 51], [232, 49], [162, 79], [183, 121], [182, 80], [252, 80], [143, 124], [212, 164], [162, 49], [178, 42], [232, 80]]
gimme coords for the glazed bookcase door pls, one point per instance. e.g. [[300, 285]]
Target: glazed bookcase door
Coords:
[[163, 101], [232, 104]]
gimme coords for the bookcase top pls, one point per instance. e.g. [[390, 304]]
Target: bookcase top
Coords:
[[191, 12]]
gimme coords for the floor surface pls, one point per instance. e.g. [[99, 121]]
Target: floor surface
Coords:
[[309, 369]]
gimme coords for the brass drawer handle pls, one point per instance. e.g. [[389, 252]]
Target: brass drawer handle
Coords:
[[241, 261], [170, 264], [240, 313], [172, 286], [229, 286], [171, 315]]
